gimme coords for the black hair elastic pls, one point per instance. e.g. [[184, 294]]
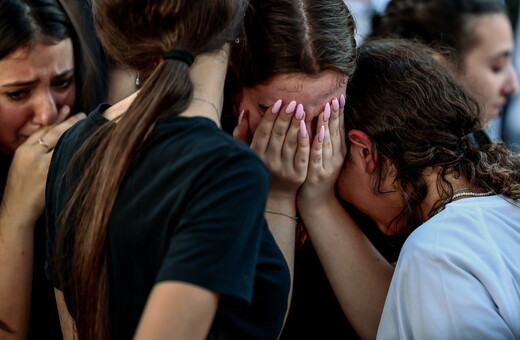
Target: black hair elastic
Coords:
[[180, 54], [478, 138]]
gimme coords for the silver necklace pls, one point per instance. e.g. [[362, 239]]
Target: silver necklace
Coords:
[[470, 193]]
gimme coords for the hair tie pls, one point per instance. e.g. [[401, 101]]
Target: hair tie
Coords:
[[478, 138], [180, 54]]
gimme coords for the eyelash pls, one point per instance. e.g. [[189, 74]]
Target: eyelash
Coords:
[[19, 95]]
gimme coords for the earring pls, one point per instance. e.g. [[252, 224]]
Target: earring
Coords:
[[137, 80], [237, 40]]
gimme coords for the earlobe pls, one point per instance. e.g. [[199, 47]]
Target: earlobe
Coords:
[[361, 143]]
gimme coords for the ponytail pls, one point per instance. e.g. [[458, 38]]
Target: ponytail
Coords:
[[167, 92]]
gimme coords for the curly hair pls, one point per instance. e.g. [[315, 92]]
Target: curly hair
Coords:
[[417, 116]]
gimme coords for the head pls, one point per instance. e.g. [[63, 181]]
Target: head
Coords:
[[406, 119], [135, 34], [37, 63], [473, 37], [292, 50]]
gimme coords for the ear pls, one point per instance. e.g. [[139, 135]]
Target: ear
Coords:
[[361, 147]]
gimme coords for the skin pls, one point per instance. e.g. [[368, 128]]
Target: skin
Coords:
[[37, 107], [312, 91], [35, 83], [487, 69]]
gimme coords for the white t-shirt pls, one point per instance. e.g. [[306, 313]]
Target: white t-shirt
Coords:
[[458, 275]]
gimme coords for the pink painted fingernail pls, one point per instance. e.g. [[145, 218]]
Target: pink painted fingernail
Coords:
[[299, 112], [303, 129], [326, 114], [240, 117], [322, 133], [342, 101], [291, 107], [335, 104], [276, 106]]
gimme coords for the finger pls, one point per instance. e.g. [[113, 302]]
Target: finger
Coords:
[[280, 130], [291, 142], [343, 135], [241, 131], [62, 114], [263, 131], [316, 155], [53, 134], [334, 128], [301, 158]]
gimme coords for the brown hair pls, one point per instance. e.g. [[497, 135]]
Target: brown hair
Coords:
[[417, 116], [444, 25], [135, 34], [285, 36]]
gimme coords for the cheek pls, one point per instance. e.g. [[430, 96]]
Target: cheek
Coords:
[[66, 98], [254, 120], [13, 119]]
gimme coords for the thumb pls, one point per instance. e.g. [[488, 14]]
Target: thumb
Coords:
[[241, 131]]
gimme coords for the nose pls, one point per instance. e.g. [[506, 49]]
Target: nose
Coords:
[[511, 84], [45, 109]]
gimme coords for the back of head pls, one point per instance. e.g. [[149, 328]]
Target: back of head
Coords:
[[444, 25], [417, 116], [135, 34], [285, 36]]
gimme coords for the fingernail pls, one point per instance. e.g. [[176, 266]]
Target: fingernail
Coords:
[[303, 129], [299, 112], [342, 101], [326, 114], [322, 133], [291, 107], [81, 115], [240, 117], [276, 106], [335, 104]]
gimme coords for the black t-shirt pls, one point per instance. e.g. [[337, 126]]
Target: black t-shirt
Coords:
[[190, 208], [44, 322]]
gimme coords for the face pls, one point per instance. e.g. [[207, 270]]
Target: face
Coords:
[[487, 71], [312, 91], [35, 83], [357, 185]]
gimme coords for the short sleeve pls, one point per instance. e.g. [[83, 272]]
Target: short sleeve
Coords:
[[434, 295], [216, 243]]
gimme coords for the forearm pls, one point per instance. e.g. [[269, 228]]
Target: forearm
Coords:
[[358, 273], [16, 262], [283, 229]]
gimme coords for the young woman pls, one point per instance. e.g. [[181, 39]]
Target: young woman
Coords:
[[473, 37], [418, 161], [47, 73], [296, 56], [157, 222]]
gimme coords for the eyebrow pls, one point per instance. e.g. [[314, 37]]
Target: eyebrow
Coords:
[[32, 82], [503, 54]]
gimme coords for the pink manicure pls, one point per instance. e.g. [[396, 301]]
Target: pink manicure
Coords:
[[322, 133], [335, 104], [299, 112], [276, 106], [303, 129], [326, 114], [240, 117], [291, 107], [342, 101]]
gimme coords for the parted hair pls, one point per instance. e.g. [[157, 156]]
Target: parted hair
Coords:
[[135, 34], [417, 117], [26, 22], [444, 25], [291, 36]]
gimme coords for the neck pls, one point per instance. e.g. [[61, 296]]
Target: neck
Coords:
[[208, 75], [457, 182]]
